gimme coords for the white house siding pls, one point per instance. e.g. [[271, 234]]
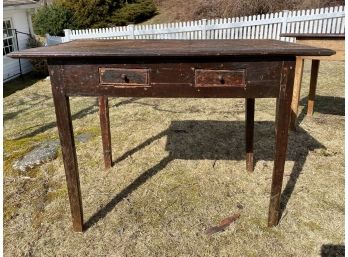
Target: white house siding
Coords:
[[19, 19]]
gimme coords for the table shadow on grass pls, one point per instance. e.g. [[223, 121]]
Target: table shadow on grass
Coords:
[[75, 116], [20, 83], [37, 100], [216, 140], [325, 105], [331, 250]]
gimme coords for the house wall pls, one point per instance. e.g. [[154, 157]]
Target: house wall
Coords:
[[20, 21]]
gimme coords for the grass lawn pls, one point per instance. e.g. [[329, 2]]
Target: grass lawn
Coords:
[[179, 169]]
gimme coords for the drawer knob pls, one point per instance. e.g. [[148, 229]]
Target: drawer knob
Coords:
[[221, 79], [124, 77]]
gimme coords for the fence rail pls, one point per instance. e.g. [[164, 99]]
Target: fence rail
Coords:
[[265, 26]]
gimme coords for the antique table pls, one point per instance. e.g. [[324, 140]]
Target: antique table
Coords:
[[334, 42], [171, 68]]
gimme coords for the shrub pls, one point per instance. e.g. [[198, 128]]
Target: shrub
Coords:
[[52, 19], [104, 13], [134, 13], [88, 13], [83, 14], [39, 65]]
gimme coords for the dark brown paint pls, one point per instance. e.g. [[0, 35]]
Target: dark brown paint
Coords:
[[171, 68]]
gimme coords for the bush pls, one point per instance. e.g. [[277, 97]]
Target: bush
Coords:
[[39, 65], [84, 14], [88, 13], [52, 19], [134, 13]]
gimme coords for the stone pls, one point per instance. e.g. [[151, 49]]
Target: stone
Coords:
[[43, 153]]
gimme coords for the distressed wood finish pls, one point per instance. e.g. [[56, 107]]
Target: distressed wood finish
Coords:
[[331, 41], [105, 130], [176, 48], [249, 133], [66, 135], [220, 78], [312, 86], [176, 77], [124, 77], [296, 92], [242, 68], [281, 131]]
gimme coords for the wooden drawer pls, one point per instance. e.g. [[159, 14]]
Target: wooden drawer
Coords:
[[174, 79], [124, 77], [220, 78]]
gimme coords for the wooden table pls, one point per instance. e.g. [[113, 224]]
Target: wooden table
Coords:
[[332, 41], [171, 68]]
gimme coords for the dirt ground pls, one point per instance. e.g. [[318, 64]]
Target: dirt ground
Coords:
[[179, 169]]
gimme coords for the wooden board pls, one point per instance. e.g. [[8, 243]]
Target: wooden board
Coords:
[[337, 45], [334, 42], [157, 48], [313, 35]]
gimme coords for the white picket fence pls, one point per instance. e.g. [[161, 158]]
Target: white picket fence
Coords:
[[265, 26]]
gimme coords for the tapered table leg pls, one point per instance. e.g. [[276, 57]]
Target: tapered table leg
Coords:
[[249, 133], [312, 87], [65, 129], [105, 130], [282, 126], [296, 92]]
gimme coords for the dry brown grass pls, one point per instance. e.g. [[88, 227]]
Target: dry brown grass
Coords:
[[181, 10], [158, 200]]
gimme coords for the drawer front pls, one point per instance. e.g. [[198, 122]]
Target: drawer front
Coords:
[[172, 79], [124, 77], [220, 78]]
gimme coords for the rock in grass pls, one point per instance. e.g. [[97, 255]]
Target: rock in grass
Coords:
[[45, 152]]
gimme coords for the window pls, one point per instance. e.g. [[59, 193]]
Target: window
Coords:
[[9, 37]]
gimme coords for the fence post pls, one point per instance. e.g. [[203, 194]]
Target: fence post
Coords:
[[204, 28], [130, 29], [285, 21], [67, 33], [47, 36]]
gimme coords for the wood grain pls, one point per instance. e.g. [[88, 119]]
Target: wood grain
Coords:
[[105, 130], [312, 86], [160, 48], [282, 126], [65, 129], [296, 92]]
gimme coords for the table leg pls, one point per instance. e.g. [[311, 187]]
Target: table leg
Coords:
[[249, 133], [105, 130], [281, 137], [65, 129], [296, 92], [312, 86]]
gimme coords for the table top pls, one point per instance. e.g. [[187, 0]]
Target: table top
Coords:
[[173, 48], [313, 35]]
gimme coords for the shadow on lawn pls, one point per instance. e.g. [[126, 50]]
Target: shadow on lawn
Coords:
[[325, 105], [20, 83], [37, 98], [216, 140], [332, 250], [78, 115]]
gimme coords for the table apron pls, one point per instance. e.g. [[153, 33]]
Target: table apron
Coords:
[[248, 79]]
